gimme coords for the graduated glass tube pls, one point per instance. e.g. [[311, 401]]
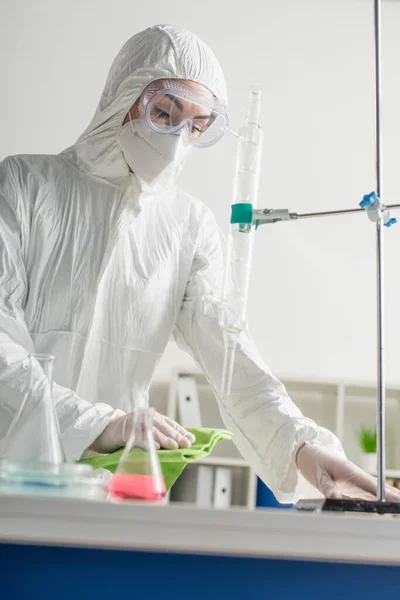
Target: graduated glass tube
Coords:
[[138, 475], [241, 235], [32, 447]]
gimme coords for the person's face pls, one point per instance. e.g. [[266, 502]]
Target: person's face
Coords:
[[171, 111]]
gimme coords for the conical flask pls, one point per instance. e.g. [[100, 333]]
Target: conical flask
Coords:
[[138, 475], [33, 440]]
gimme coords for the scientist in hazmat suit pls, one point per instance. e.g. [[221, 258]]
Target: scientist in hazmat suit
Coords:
[[103, 257]]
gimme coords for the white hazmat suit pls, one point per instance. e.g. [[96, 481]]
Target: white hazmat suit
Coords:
[[100, 271]]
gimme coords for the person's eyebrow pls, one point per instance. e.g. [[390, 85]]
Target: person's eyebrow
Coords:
[[175, 101], [179, 105]]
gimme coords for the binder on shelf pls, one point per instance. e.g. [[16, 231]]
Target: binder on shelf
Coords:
[[188, 402], [205, 480], [222, 488]]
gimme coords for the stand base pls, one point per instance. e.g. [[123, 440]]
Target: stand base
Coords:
[[349, 505]]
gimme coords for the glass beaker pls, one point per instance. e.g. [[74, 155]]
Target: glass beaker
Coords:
[[138, 475]]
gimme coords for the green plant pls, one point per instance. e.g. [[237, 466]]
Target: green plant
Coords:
[[367, 439]]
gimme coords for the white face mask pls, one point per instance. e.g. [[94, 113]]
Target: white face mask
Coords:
[[148, 153]]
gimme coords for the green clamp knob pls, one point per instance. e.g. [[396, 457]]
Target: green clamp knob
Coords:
[[242, 213]]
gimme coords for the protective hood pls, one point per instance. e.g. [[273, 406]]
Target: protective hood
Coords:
[[159, 52]]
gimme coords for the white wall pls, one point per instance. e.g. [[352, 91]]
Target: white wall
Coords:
[[312, 306]]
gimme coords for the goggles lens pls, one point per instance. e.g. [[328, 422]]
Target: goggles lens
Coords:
[[176, 107]]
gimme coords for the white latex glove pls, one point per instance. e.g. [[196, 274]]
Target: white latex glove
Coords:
[[167, 434], [337, 477]]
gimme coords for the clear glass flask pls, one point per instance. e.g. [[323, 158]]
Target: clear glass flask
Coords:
[[31, 453], [34, 436], [138, 475]]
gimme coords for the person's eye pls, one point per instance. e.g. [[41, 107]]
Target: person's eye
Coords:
[[159, 113], [199, 129]]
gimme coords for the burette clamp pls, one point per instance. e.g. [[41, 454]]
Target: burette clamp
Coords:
[[244, 214], [376, 210], [272, 215]]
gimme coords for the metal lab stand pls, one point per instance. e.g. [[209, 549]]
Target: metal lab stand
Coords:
[[380, 215]]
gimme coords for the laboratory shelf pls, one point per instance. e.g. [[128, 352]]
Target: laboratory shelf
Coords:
[[341, 406]]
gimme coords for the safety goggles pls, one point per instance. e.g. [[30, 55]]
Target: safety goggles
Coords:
[[171, 106]]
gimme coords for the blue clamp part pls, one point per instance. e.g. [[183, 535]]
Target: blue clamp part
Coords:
[[369, 200], [373, 205]]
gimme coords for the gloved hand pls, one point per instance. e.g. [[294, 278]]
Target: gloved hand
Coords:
[[336, 477], [167, 434]]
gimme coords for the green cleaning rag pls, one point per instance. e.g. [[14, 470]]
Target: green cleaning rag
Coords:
[[172, 461]]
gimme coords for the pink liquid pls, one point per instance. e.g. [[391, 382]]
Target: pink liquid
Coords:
[[139, 487]]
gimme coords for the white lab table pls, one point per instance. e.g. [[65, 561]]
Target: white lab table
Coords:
[[61, 547]]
